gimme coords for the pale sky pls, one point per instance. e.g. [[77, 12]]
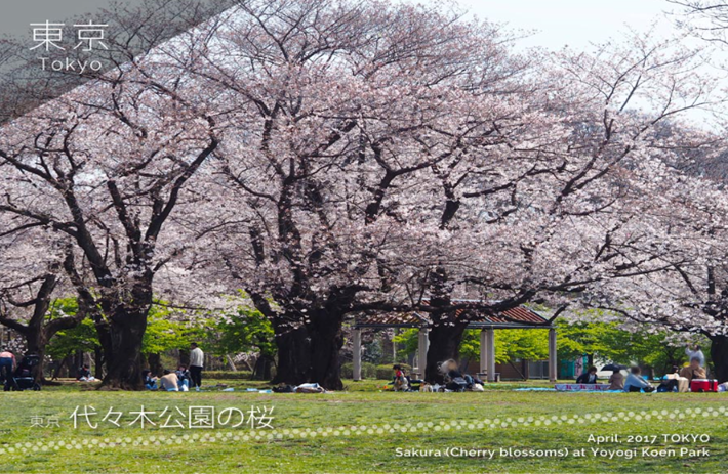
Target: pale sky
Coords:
[[576, 23]]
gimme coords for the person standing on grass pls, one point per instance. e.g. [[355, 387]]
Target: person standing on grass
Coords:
[[693, 352], [196, 363]]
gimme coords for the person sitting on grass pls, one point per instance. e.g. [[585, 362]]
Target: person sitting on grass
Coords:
[[588, 377], [183, 378], [635, 383], [673, 382], [401, 383], [149, 380], [472, 380], [456, 381], [616, 381], [168, 382], [693, 371], [84, 374]]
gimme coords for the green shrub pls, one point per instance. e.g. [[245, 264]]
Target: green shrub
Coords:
[[385, 371], [368, 370]]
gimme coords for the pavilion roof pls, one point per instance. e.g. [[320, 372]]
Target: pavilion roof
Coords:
[[519, 317]]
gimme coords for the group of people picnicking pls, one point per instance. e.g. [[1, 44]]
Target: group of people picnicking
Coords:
[[454, 380], [678, 381], [182, 379]]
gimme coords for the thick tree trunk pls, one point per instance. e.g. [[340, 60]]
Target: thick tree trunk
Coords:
[[294, 354], [39, 369], [155, 363], [447, 330], [326, 341], [719, 354], [103, 333], [77, 362], [39, 329], [66, 360], [127, 322], [183, 358], [444, 342], [99, 363], [262, 368], [126, 332], [37, 338], [36, 345]]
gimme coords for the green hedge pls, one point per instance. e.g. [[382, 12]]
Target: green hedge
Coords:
[[385, 371], [226, 374], [368, 370]]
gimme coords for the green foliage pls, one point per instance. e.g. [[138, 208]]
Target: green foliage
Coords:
[[244, 330], [406, 342], [598, 338], [510, 344], [372, 351], [164, 334], [607, 341], [604, 340], [82, 337]]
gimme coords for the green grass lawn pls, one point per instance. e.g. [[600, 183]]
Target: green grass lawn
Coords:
[[361, 429]]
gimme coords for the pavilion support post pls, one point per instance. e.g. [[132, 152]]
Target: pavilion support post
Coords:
[[423, 345], [553, 367], [490, 354], [357, 354], [483, 352]]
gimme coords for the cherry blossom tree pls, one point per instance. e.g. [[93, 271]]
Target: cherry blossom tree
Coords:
[[105, 166], [681, 219], [391, 168], [682, 228], [28, 286], [349, 106]]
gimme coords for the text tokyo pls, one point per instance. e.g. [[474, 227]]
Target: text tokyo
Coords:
[[70, 65], [50, 37]]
